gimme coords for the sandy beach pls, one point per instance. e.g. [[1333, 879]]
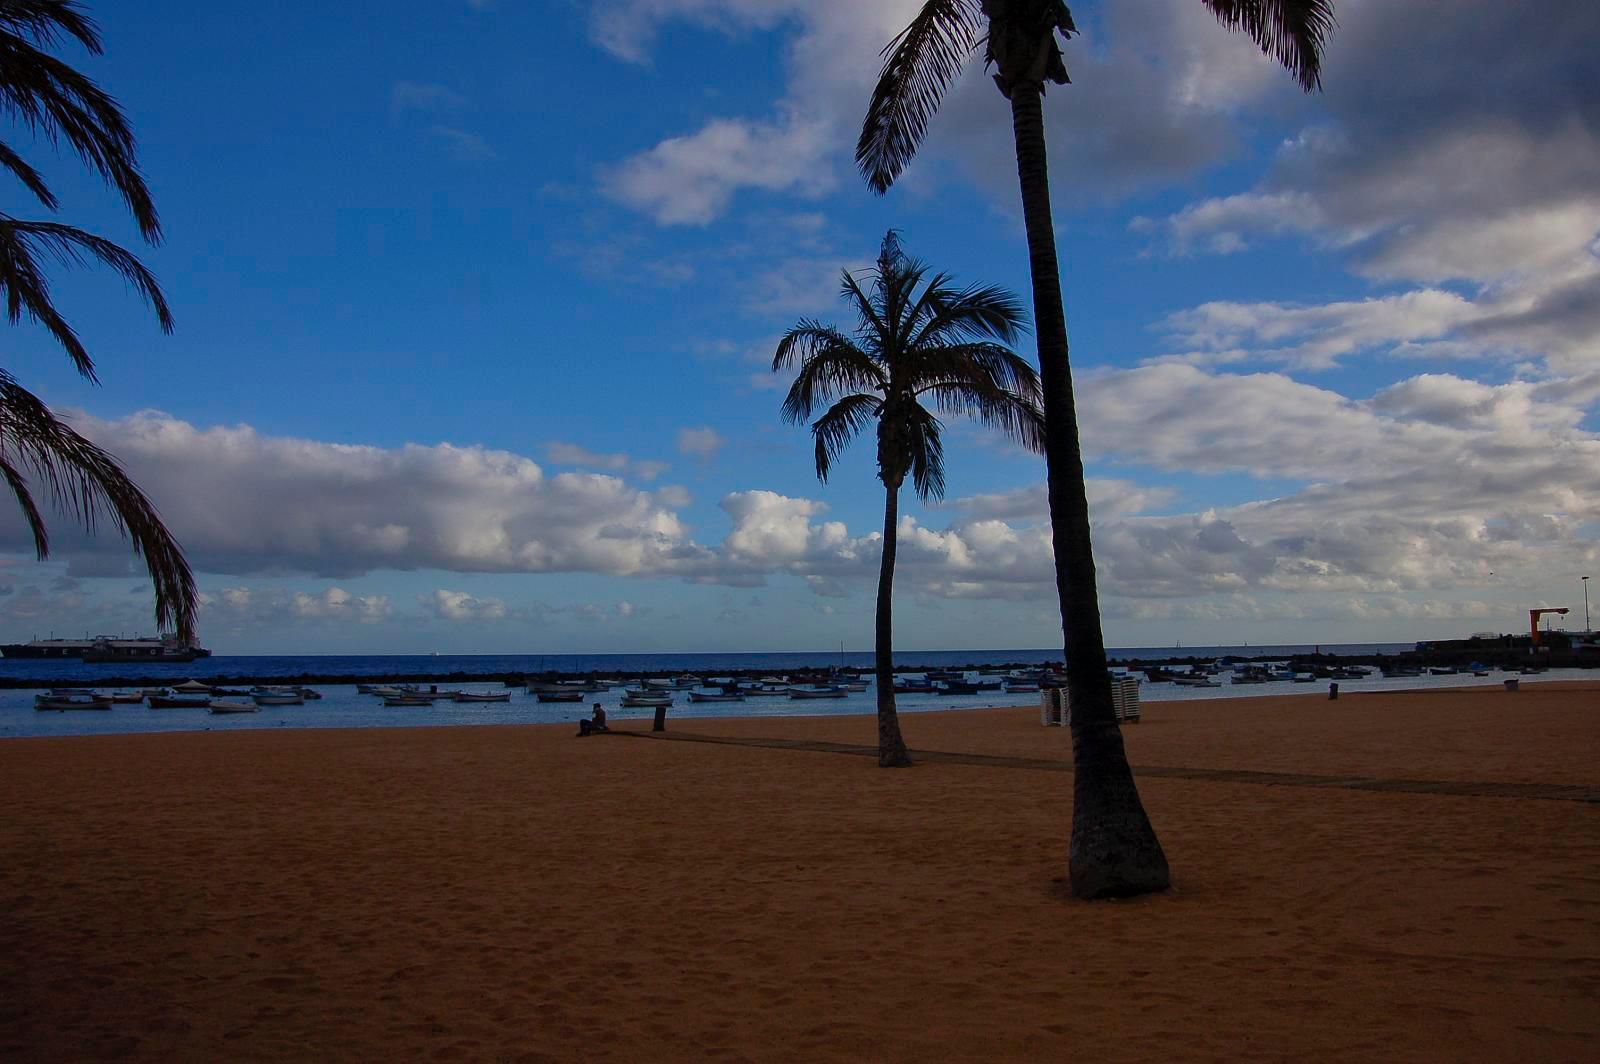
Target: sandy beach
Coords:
[[516, 894]]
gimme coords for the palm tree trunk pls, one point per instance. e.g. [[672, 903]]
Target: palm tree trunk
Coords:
[[1114, 851], [891, 747]]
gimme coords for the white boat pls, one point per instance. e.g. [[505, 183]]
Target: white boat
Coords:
[[646, 699], [483, 696], [818, 692], [224, 705], [765, 692], [560, 696], [273, 697], [127, 698]]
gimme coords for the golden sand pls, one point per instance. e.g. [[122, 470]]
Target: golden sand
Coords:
[[515, 894]]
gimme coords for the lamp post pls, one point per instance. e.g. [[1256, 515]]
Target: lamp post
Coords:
[[1586, 627]]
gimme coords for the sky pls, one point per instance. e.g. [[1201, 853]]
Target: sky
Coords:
[[476, 303]]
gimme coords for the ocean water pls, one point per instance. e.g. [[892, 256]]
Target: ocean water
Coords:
[[441, 665], [342, 707]]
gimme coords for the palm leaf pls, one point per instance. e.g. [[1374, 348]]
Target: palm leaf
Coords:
[[830, 364], [25, 173], [52, 98], [976, 313], [925, 446], [921, 62], [1293, 32], [87, 483], [27, 289], [843, 422]]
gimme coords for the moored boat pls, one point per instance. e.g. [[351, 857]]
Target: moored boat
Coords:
[[724, 696], [163, 700], [228, 705], [818, 692], [62, 703], [483, 696], [559, 696]]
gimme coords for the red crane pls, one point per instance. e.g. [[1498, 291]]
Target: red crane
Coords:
[[1533, 619]]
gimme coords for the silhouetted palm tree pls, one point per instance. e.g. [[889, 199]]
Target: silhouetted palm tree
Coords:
[[51, 98], [940, 345], [1114, 850]]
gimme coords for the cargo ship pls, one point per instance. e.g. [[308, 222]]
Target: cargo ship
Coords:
[[107, 649]]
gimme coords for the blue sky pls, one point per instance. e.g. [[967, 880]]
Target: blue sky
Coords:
[[475, 303]]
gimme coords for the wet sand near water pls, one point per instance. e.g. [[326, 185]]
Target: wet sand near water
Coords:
[[515, 894]]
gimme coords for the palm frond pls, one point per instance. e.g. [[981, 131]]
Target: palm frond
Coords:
[[867, 310], [925, 445], [87, 483], [27, 289], [1018, 418], [843, 422], [829, 364], [47, 20], [981, 364], [986, 312], [52, 98], [25, 173], [920, 64], [1293, 32]]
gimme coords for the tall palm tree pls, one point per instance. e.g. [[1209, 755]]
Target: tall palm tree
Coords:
[[940, 345], [49, 97], [1114, 850]]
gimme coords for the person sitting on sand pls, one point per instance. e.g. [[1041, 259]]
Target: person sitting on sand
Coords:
[[596, 723]]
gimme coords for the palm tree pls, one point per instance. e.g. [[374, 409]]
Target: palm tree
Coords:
[[942, 345], [51, 98], [1114, 850]]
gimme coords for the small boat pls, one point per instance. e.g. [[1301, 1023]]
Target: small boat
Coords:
[[191, 687], [308, 694], [483, 696], [646, 699], [724, 696], [166, 701], [765, 691], [277, 697], [62, 703], [956, 687], [224, 705], [1304, 677], [127, 698], [818, 692], [407, 700], [915, 688], [560, 696], [372, 688], [1194, 680], [1014, 687], [1441, 670]]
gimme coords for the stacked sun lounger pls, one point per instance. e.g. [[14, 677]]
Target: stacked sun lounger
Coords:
[[1055, 706]]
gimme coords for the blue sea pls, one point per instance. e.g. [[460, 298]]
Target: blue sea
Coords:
[[342, 707]]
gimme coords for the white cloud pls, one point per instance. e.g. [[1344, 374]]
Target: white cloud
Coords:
[[449, 605], [1426, 173], [1158, 90], [242, 502], [703, 442], [689, 180], [563, 453]]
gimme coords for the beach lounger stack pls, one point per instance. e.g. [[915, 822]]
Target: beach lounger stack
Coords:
[[1125, 697], [1055, 708]]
